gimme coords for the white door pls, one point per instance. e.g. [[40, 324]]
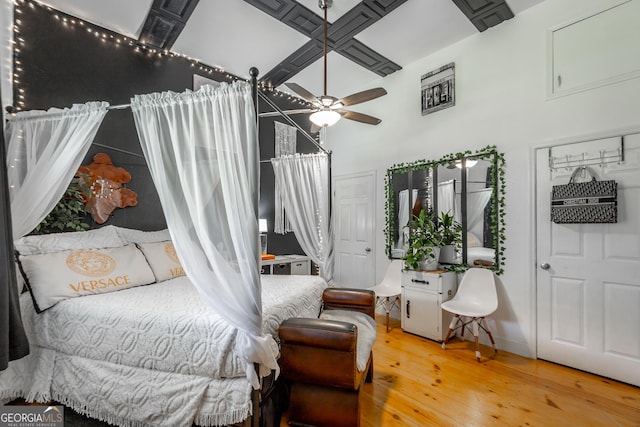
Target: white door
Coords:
[[354, 230], [588, 275]]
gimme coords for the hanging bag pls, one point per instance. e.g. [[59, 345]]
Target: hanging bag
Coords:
[[590, 202]]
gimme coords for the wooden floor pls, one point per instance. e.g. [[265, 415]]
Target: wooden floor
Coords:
[[416, 383]]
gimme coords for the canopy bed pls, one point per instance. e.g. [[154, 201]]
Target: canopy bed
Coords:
[[126, 357]]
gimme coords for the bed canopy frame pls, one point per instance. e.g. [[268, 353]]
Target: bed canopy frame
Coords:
[[11, 329]]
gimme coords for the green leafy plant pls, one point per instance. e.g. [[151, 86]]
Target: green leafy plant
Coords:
[[450, 229], [429, 232], [69, 214], [423, 238]]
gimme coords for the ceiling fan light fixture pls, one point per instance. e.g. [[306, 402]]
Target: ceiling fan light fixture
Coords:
[[469, 163], [328, 109], [325, 118]]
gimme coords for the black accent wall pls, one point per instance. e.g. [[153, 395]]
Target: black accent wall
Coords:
[[62, 61]]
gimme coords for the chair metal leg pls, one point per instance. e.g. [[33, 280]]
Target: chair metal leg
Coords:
[[477, 323], [486, 329], [387, 321], [475, 337], [462, 328], [388, 306], [387, 309], [452, 326]]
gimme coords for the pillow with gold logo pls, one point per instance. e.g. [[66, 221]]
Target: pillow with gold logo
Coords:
[[105, 237], [56, 276], [130, 235], [163, 260]]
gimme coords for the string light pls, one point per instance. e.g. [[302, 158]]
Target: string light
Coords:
[[118, 40]]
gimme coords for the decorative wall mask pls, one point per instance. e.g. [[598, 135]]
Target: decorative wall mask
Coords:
[[104, 182]]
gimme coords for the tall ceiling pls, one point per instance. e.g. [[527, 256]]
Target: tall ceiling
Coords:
[[371, 37]]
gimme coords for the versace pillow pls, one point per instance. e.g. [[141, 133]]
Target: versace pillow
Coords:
[[57, 276], [130, 235], [104, 237], [163, 260]]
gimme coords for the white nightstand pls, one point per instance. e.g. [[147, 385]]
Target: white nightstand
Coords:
[[422, 294]]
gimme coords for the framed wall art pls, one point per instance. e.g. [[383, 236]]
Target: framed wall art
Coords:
[[438, 89]]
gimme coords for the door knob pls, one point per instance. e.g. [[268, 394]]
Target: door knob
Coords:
[[545, 266], [367, 250]]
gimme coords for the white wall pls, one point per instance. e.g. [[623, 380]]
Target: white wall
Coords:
[[500, 100]]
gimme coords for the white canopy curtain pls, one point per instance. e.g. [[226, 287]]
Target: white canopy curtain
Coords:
[[305, 181], [200, 148], [447, 199], [285, 143], [476, 202], [403, 216], [45, 149]]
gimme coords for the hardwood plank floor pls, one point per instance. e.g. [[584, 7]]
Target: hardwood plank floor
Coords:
[[416, 383]]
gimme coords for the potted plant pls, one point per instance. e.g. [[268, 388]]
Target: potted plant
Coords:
[[425, 241], [451, 231]]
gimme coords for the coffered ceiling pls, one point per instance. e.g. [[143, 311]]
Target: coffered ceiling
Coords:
[[367, 39]]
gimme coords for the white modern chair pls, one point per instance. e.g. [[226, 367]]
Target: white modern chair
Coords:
[[476, 298], [388, 291]]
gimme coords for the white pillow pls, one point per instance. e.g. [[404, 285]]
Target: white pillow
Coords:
[[163, 260], [104, 237], [129, 235], [56, 276]]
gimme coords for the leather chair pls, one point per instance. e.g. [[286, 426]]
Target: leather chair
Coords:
[[319, 359]]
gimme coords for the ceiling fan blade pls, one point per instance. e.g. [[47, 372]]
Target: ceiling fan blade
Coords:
[[364, 96], [359, 117], [305, 94]]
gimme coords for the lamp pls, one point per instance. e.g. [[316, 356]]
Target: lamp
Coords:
[[325, 117], [469, 163], [263, 228]]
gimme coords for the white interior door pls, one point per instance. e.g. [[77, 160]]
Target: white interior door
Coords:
[[354, 230], [588, 275]]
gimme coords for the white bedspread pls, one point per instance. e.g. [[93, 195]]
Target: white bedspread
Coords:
[[158, 345], [166, 326]]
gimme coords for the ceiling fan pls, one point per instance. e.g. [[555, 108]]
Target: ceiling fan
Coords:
[[328, 109]]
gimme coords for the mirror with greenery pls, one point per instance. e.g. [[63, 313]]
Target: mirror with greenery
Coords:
[[464, 191]]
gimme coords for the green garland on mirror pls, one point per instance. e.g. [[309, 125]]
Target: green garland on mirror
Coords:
[[497, 201]]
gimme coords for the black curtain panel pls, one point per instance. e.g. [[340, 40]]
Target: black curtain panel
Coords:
[[13, 341]]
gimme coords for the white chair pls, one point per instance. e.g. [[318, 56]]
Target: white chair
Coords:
[[388, 291], [476, 298]]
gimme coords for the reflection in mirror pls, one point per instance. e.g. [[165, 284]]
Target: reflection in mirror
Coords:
[[400, 204], [412, 192], [469, 188], [449, 203], [479, 239]]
